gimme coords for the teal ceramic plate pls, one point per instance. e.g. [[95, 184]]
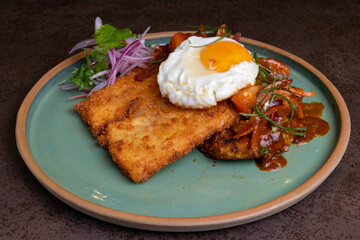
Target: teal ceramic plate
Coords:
[[193, 194]]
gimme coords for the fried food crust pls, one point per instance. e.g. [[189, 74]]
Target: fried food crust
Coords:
[[222, 145], [143, 131], [118, 101], [143, 144]]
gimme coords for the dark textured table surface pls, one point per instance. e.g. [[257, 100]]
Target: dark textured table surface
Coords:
[[37, 35]]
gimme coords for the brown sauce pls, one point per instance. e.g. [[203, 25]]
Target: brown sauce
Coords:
[[315, 127], [272, 163]]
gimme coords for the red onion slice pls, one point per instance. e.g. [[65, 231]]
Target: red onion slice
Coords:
[[99, 86], [122, 60], [79, 96], [83, 44], [99, 74], [275, 103], [131, 47], [130, 68], [98, 23], [137, 59]]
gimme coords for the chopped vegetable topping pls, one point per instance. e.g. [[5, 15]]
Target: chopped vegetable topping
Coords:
[[273, 87]]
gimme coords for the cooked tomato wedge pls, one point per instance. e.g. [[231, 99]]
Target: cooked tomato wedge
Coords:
[[245, 99], [177, 39], [275, 66]]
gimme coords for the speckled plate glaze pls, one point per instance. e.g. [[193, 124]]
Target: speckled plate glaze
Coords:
[[188, 195]]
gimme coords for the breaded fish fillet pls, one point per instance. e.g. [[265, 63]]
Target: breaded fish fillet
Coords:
[[143, 144], [119, 100], [143, 131]]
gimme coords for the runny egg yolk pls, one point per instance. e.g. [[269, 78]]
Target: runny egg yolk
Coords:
[[221, 56]]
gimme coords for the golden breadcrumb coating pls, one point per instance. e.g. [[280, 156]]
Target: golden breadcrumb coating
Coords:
[[143, 131]]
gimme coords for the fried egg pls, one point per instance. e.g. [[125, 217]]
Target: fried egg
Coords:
[[202, 71]]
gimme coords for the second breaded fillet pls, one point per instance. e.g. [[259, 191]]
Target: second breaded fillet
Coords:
[[143, 131], [144, 143], [118, 100]]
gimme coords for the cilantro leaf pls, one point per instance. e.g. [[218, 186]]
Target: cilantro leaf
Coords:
[[81, 77], [108, 36], [101, 66], [98, 53]]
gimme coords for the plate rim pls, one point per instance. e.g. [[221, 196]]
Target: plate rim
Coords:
[[172, 224]]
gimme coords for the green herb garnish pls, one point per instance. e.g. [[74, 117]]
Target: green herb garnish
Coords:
[[264, 150], [108, 36], [299, 131], [264, 73], [292, 105], [98, 53], [81, 76]]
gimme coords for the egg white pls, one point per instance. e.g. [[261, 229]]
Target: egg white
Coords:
[[188, 83]]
